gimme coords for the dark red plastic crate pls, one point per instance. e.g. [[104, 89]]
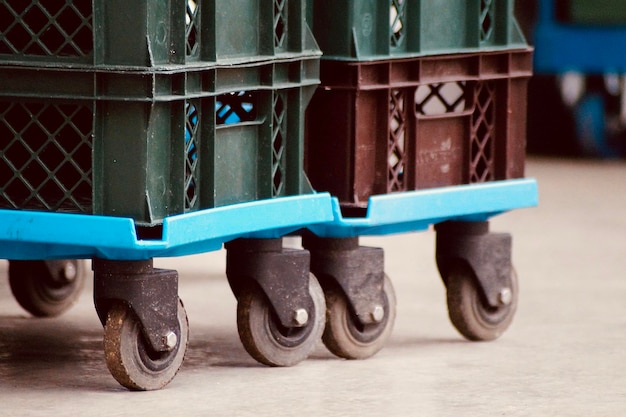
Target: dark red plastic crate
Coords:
[[406, 124]]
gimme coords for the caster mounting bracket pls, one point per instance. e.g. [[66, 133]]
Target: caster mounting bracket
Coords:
[[486, 254], [358, 270], [152, 294], [282, 274]]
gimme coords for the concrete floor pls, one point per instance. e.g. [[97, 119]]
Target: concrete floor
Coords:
[[564, 355]]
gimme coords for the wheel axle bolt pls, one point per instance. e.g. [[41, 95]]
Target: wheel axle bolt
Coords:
[[378, 314], [300, 317], [506, 296], [170, 340], [69, 271]]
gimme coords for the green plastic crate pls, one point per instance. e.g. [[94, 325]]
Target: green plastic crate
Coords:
[[362, 30], [595, 12], [149, 144], [150, 32]]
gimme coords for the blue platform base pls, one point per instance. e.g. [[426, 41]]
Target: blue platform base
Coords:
[[38, 235], [417, 210]]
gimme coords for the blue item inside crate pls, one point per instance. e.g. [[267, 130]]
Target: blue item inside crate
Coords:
[[226, 113], [233, 108], [40, 235]]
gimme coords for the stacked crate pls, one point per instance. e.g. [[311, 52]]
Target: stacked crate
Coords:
[[416, 94], [147, 108]]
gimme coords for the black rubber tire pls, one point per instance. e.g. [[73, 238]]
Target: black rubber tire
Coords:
[[469, 312], [345, 337], [130, 359], [263, 336], [42, 288]]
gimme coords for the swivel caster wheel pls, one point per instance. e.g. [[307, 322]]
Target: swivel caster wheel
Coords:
[[46, 288], [469, 312], [129, 357], [266, 339], [345, 336]]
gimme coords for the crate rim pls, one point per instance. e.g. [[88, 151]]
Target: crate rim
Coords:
[[358, 85], [376, 58], [93, 73], [243, 62]]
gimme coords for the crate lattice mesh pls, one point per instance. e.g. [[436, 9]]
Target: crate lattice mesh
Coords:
[[396, 145], [487, 11], [397, 19], [482, 143], [280, 24], [441, 98], [46, 28], [235, 107], [192, 29], [192, 138], [46, 156], [279, 133]]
